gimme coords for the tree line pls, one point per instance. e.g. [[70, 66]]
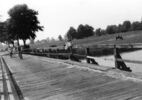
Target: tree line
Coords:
[[81, 32], [84, 31]]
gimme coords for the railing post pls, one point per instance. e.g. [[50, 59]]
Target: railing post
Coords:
[[115, 56], [87, 54], [57, 52], [87, 51], [120, 64], [49, 53], [71, 53]]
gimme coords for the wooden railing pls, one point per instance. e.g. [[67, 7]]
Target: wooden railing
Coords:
[[10, 86], [64, 54]]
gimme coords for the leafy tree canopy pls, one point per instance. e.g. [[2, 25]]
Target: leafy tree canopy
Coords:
[[23, 22]]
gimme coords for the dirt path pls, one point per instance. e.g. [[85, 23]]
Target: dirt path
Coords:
[[42, 78]]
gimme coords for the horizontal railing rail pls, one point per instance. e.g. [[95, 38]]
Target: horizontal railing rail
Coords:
[[16, 91], [89, 54]]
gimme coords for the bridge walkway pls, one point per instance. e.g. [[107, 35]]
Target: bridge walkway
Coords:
[[41, 78]]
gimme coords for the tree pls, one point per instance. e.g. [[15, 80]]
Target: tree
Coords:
[[136, 26], [24, 22], [84, 31], [120, 28], [3, 35], [100, 32], [126, 26], [71, 34], [60, 38], [10, 37], [111, 29]]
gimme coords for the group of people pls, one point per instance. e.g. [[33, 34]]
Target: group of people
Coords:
[[119, 37], [11, 50], [68, 45]]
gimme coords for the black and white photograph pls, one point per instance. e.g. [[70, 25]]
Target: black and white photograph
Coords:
[[70, 49]]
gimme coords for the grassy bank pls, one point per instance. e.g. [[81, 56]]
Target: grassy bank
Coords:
[[128, 37]]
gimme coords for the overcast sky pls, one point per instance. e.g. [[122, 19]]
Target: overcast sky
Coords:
[[58, 15]]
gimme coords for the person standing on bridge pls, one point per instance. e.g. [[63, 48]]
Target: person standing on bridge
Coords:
[[10, 50]]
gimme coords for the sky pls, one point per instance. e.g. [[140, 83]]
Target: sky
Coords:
[[57, 16]]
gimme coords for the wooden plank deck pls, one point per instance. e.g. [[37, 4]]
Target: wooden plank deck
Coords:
[[42, 78]]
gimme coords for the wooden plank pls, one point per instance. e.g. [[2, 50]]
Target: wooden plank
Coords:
[[115, 57], [15, 88], [5, 87]]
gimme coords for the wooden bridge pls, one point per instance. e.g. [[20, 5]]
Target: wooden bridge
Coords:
[[47, 78], [42, 78]]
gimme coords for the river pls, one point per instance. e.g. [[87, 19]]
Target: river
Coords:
[[135, 55]]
